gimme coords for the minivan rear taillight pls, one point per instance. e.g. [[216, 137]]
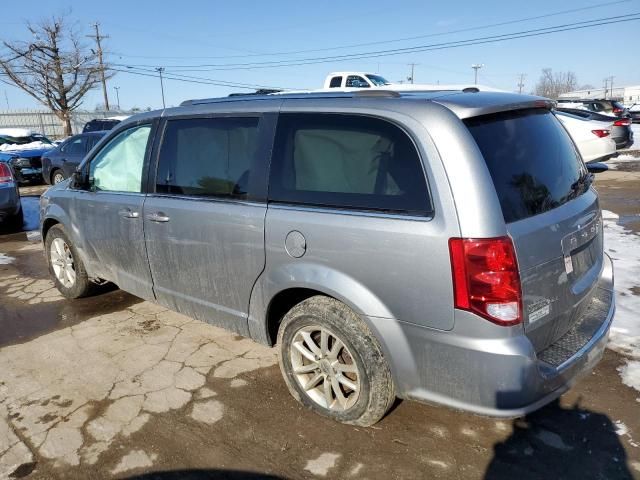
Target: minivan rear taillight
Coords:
[[5, 173], [601, 133], [486, 279]]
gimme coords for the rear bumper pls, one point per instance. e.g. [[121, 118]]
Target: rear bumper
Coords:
[[9, 202], [28, 175], [501, 377]]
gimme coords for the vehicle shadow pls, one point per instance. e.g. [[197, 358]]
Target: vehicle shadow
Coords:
[[205, 474], [559, 443]]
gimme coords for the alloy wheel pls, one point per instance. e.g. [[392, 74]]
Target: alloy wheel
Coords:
[[62, 262], [324, 368]]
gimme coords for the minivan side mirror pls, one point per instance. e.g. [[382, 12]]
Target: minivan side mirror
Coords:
[[79, 180], [597, 167]]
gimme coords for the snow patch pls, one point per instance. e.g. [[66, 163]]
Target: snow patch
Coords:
[[5, 259], [12, 147], [623, 246], [621, 428], [614, 162], [321, 465], [630, 374]]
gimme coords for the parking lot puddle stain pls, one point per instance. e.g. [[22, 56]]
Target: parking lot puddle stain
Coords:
[[20, 322]]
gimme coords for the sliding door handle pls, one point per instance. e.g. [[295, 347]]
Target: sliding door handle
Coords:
[[158, 217], [128, 213]]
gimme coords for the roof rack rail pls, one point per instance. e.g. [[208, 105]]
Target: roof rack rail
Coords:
[[260, 91], [376, 93]]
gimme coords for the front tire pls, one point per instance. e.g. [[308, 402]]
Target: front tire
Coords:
[[333, 364], [57, 176], [65, 266]]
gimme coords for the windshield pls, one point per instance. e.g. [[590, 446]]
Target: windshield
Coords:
[[377, 80], [532, 161]]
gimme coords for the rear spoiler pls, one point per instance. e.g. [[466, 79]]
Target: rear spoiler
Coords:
[[467, 106]]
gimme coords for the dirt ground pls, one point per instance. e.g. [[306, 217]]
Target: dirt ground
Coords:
[[111, 386]]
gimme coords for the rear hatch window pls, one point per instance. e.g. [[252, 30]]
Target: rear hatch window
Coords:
[[552, 217], [532, 160]]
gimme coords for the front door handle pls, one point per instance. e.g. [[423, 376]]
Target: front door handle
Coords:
[[128, 213], [158, 217]]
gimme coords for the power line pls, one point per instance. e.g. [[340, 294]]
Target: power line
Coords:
[[380, 42], [419, 48], [202, 81], [222, 83]]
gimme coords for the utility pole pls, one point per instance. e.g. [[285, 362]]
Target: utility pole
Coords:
[[611, 85], [160, 70], [606, 83], [6, 99], [117, 95], [97, 38], [412, 65], [476, 67], [521, 83]]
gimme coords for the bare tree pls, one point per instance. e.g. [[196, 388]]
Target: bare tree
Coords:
[[551, 84], [55, 68]]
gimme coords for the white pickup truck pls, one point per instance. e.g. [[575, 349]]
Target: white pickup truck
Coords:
[[357, 80]]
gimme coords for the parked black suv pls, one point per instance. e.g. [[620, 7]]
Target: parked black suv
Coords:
[[100, 124], [606, 106]]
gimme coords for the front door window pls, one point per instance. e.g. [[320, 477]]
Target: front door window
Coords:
[[118, 166]]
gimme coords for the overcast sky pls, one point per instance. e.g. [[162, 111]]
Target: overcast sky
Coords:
[[177, 34]]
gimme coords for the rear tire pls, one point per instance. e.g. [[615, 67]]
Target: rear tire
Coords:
[[333, 364], [65, 266]]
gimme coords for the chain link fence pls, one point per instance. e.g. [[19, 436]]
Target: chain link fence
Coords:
[[46, 122]]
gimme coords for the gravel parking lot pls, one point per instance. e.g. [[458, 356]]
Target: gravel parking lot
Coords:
[[112, 386]]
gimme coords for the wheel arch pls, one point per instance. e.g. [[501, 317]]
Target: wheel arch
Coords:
[[46, 226], [278, 290]]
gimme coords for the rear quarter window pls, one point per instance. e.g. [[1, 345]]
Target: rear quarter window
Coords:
[[347, 161], [532, 160]]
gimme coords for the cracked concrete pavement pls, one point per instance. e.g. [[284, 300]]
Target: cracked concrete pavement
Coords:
[[111, 386], [70, 393]]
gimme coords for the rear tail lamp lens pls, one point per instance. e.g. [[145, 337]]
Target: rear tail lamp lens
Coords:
[[5, 174], [486, 279], [601, 133], [625, 122]]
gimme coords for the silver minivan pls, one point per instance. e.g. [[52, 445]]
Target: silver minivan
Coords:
[[443, 247]]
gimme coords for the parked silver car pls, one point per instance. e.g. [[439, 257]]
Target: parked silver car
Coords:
[[442, 246]]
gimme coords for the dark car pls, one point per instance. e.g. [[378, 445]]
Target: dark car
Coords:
[[100, 124], [58, 164], [634, 112], [606, 106], [10, 207], [621, 131], [25, 163]]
